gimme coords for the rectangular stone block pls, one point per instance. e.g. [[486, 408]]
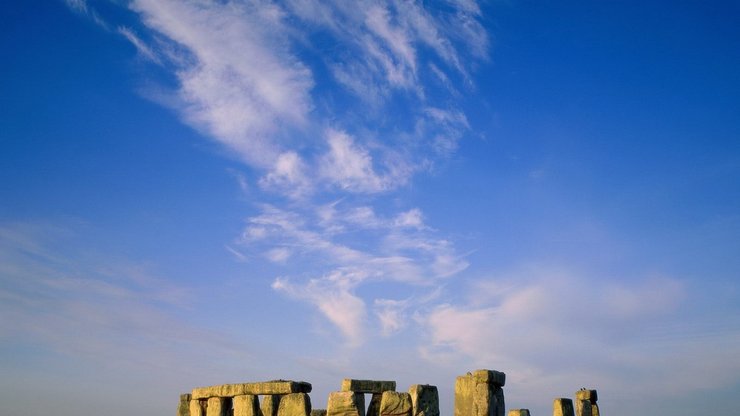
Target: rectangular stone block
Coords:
[[373, 409], [424, 400], [586, 394], [345, 403], [519, 412], [562, 407], [490, 377], [215, 407], [270, 405], [295, 404], [197, 407], [183, 408], [368, 386], [263, 388], [583, 408], [395, 404], [246, 405]]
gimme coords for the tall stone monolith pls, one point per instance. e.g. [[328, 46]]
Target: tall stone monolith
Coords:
[[424, 400], [395, 404], [295, 404], [590, 396], [345, 403], [373, 408], [562, 407], [246, 405], [183, 408], [215, 407], [197, 407], [270, 404], [480, 393]]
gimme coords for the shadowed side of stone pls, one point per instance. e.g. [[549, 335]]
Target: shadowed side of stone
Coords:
[[395, 404], [424, 400], [368, 386], [183, 408], [518, 412], [562, 407], [318, 412], [270, 405], [373, 409], [263, 388], [345, 403], [295, 404]]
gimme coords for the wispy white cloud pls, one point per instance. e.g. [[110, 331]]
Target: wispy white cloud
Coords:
[[144, 49]]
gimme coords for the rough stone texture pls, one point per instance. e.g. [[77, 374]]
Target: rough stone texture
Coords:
[[345, 403], [270, 405], [479, 394], [562, 407], [594, 409], [583, 408], [318, 412], [424, 400], [368, 386], [197, 407], [246, 405], [373, 409], [295, 404], [585, 394], [490, 377], [519, 412], [183, 408], [215, 407], [267, 387], [395, 404]]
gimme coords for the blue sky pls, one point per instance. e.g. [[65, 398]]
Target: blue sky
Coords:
[[199, 192]]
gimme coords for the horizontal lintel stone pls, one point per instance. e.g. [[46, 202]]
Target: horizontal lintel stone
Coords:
[[367, 386], [263, 388]]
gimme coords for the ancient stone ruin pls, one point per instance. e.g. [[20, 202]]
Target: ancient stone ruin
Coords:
[[478, 393]]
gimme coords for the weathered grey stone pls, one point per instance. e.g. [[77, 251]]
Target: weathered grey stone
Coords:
[[583, 407], [215, 407], [373, 409], [490, 377], [345, 403], [562, 407], [519, 412], [586, 394], [183, 408], [270, 405], [246, 405], [264, 388], [424, 400], [197, 407], [318, 412], [368, 386], [395, 404], [295, 404], [479, 394]]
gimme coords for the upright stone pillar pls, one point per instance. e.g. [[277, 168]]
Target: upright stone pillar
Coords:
[[373, 409], [395, 404], [424, 400], [345, 403], [295, 404], [519, 412], [562, 407], [215, 407], [246, 405], [586, 395], [197, 407], [270, 404], [183, 409], [480, 393]]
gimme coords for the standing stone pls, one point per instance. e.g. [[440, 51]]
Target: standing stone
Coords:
[[519, 412], [183, 409], [345, 403], [373, 409], [424, 400], [590, 396], [295, 404], [479, 393], [395, 404], [562, 407], [270, 404], [583, 408], [246, 405], [318, 412], [215, 407], [197, 407]]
